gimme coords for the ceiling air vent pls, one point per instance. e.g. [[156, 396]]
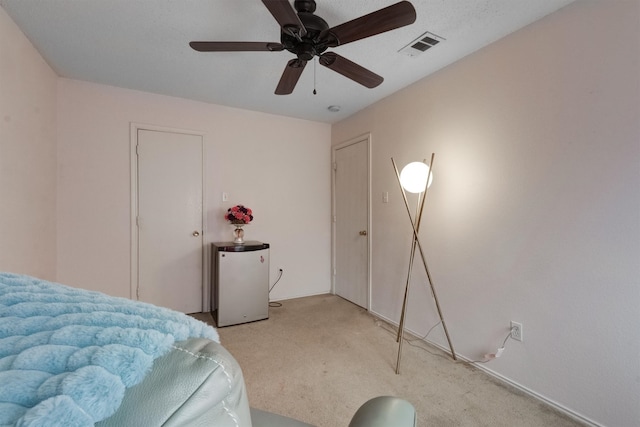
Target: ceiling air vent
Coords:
[[420, 45]]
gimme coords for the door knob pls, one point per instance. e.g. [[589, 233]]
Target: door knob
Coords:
[[363, 233], [196, 233]]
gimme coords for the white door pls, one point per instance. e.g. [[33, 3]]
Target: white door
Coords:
[[351, 222], [170, 242]]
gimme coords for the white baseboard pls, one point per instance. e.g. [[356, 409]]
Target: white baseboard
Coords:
[[286, 297], [557, 406], [561, 408]]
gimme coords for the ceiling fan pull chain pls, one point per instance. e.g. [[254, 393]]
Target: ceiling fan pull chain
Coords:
[[314, 76]]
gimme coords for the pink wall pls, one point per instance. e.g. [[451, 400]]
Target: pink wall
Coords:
[[534, 212], [65, 176], [27, 156], [279, 167]]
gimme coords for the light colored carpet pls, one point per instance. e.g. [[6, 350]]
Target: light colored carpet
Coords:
[[317, 359]]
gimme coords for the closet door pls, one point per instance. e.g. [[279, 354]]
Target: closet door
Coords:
[[170, 224], [351, 255]]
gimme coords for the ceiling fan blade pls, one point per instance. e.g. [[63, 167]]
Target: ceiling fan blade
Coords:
[[290, 76], [236, 46], [386, 19], [286, 17], [350, 69]]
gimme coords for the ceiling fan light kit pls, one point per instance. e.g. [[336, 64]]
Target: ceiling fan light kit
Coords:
[[307, 35]]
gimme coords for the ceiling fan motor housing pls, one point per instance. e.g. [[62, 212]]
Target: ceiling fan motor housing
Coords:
[[305, 5], [311, 44]]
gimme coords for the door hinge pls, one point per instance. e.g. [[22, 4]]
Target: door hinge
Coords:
[[335, 218], [335, 166]]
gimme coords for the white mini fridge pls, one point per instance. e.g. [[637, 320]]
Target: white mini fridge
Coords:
[[240, 285]]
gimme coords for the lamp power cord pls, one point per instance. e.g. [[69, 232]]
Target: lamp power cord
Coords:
[[491, 356], [272, 303], [487, 357]]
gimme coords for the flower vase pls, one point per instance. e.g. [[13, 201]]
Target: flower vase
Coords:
[[238, 234]]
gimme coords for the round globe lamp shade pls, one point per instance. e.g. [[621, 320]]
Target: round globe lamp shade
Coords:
[[414, 176]]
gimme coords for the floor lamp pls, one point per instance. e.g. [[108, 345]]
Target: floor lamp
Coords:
[[416, 178]]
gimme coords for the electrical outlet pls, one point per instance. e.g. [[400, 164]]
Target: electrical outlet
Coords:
[[516, 331]]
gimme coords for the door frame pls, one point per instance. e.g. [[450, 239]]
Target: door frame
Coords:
[[133, 161], [366, 138]]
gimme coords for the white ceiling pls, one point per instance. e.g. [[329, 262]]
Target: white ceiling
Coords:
[[143, 45]]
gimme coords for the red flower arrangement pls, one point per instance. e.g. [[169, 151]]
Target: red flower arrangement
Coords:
[[239, 214]]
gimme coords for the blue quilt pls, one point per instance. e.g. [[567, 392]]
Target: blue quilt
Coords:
[[67, 355]]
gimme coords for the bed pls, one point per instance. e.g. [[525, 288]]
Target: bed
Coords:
[[80, 358]]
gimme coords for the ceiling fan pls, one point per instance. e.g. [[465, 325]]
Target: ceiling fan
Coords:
[[307, 35]]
